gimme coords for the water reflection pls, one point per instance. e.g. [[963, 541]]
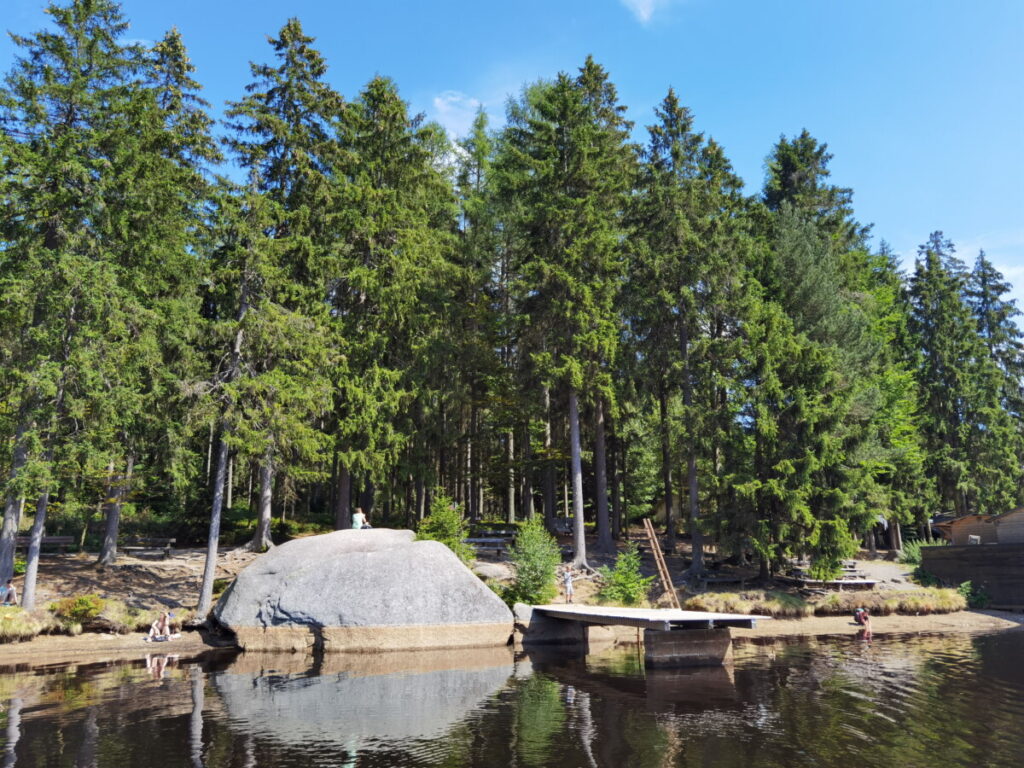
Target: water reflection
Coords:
[[909, 702]]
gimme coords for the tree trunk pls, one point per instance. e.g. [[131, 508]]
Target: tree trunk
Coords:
[[550, 511], [420, 498], [579, 543], [527, 479], [895, 536], [510, 492], [666, 467], [28, 591], [229, 501], [108, 552], [367, 498], [613, 467], [343, 500], [261, 540], [696, 536], [213, 540], [9, 529], [605, 545]]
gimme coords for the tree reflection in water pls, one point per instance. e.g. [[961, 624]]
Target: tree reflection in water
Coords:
[[794, 705]]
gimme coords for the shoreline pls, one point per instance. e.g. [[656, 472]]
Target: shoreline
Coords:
[[960, 622], [61, 650]]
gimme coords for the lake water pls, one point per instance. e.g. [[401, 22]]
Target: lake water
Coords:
[[953, 701]]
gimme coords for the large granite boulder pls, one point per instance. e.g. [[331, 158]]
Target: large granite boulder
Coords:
[[357, 590]]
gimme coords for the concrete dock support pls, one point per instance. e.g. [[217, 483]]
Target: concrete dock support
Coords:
[[687, 648]]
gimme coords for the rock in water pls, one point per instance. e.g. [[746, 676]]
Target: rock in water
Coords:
[[371, 590]]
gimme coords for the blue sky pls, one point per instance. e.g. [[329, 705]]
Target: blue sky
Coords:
[[920, 101]]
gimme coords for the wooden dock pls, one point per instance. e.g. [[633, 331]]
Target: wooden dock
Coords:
[[672, 637], [659, 619]]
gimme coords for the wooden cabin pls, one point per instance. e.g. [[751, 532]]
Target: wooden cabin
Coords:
[[981, 526], [1010, 526]]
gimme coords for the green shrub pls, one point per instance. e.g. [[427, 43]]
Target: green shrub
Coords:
[[78, 608], [624, 584], [19, 566], [445, 524], [976, 597], [911, 554], [831, 543], [536, 557]]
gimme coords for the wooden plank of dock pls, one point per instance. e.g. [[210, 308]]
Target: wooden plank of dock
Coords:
[[648, 618]]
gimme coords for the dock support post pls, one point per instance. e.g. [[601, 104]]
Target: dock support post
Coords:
[[687, 648]]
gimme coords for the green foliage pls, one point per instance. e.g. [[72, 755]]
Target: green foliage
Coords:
[[19, 566], [78, 608], [535, 556], [976, 597], [911, 554], [831, 543], [624, 584], [446, 525]]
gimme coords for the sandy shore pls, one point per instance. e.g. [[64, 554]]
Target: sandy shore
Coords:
[[58, 650]]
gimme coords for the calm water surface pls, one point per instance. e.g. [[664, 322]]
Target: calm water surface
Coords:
[[895, 702]]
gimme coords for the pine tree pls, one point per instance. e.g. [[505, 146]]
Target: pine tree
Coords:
[[565, 156], [277, 257]]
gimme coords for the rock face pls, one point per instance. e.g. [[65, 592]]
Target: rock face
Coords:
[[354, 590]]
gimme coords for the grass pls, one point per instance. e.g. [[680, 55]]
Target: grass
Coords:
[[782, 605], [910, 603], [17, 624], [777, 604]]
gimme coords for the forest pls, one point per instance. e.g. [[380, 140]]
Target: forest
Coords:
[[239, 330]]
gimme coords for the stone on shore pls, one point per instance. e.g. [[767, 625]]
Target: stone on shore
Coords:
[[362, 590]]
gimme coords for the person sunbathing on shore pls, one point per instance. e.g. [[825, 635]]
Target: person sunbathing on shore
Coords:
[[161, 629]]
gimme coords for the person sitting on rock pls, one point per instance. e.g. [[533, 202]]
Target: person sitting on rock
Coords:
[[359, 519]]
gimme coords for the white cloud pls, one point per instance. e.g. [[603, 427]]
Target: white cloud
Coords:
[[455, 110], [644, 10]]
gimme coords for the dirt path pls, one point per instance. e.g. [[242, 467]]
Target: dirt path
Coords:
[[139, 582]]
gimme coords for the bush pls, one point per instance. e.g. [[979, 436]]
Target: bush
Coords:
[[19, 566], [445, 524], [78, 608], [976, 597], [831, 543], [911, 554], [624, 584], [536, 556]]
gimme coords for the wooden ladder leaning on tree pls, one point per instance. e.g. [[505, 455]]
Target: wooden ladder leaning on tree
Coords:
[[659, 561]]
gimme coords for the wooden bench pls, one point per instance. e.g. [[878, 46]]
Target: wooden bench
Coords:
[[487, 544], [60, 542], [726, 579], [148, 545]]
